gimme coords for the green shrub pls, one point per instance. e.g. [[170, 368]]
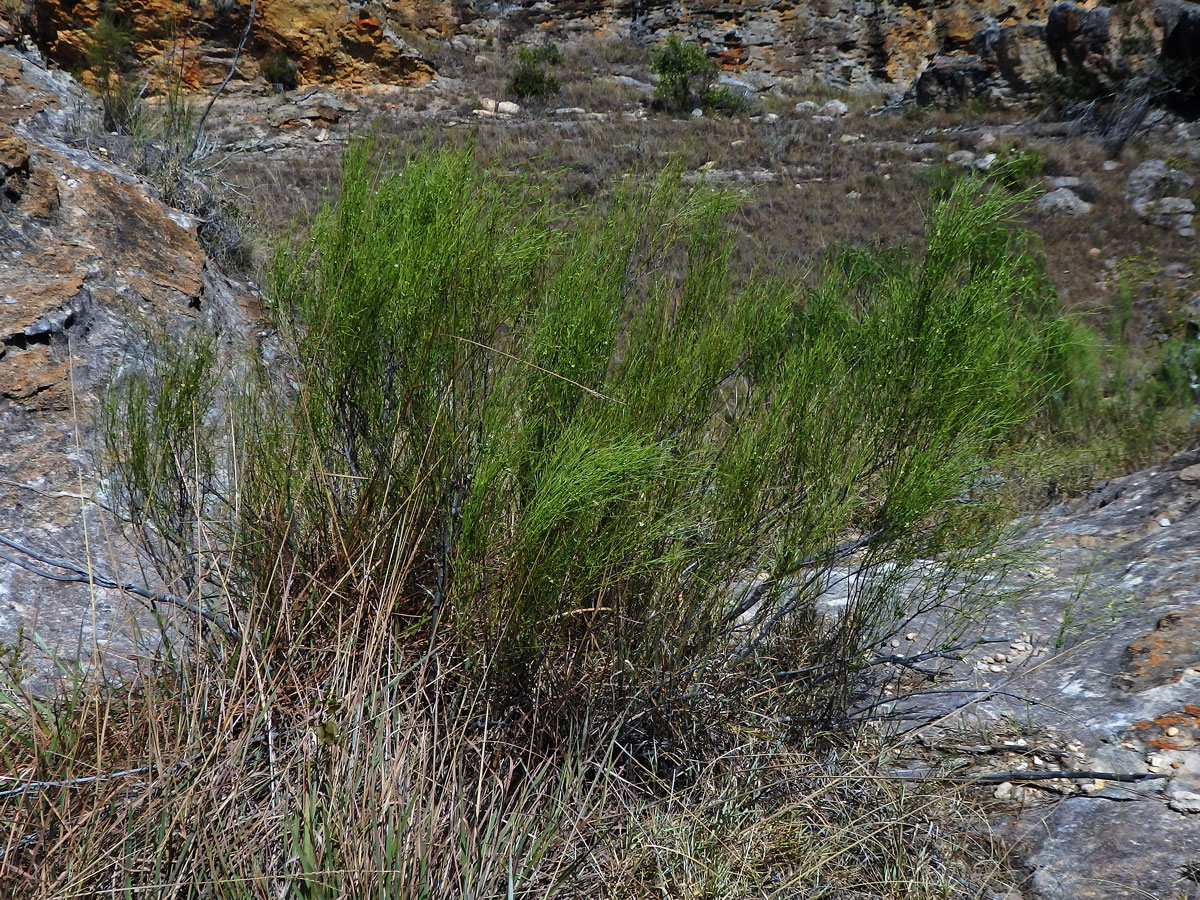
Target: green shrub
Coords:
[[684, 74], [721, 98], [588, 421], [517, 548], [531, 78], [1179, 376], [1014, 168], [109, 55], [1017, 167], [1070, 87], [281, 70]]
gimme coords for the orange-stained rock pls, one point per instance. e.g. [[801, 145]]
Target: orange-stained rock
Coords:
[[1178, 730], [330, 41], [14, 163], [22, 95], [1162, 655], [844, 42], [90, 263]]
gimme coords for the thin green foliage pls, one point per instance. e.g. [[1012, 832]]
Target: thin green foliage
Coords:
[[684, 73], [523, 541], [109, 54], [539, 389], [531, 77]]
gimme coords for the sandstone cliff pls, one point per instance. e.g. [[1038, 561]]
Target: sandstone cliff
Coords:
[[849, 42], [328, 41], [877, 44]]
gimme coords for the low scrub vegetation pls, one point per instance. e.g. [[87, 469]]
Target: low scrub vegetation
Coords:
[[503, 580], [685, 80], [147, 121], [531, 77], [280, 70], [110, 57]]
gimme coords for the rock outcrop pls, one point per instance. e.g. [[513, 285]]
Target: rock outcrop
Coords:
[[1102, 676], [1180, 23], [845, 42], [88, 256], [1159, 193], [950, 49], [325, 41], [1075, 34]]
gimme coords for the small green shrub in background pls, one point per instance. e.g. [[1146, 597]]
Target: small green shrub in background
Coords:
[[531, 77], [280, 69], [721, 98], [109, 55], [1178, 379], [684, 73], [1071, 86], [1015, 168]]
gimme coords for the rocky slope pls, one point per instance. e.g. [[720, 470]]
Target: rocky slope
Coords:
[[850, 42], [90, 261], [1100, 670], [324, 40], [998, 45], [1099, 675]]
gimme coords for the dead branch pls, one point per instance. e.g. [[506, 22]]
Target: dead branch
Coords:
[[79, 575], [232, 68]]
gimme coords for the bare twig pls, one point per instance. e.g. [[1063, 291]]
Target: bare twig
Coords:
[[1018, 749], [73, 782], [944, 653], [525, 362], [80, 575], [232, 68], [991, 692], [1000, 777]]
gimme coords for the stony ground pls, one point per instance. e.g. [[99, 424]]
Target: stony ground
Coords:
[[1099, 677]]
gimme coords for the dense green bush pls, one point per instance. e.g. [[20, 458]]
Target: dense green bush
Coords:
[[722, 98], [516, 547], [531, 77], [1018, 167], [566, 420], [684, 74], [281, 70], [1070, 87]]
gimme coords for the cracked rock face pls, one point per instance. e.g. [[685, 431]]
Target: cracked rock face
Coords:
[[1107, 674], [87, 257], [848, 42], [328, 41], [947, 50]]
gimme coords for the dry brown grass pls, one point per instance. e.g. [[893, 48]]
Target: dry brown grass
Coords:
[[887, 167], [268, 778]]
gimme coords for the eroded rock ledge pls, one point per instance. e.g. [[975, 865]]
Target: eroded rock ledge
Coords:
[[328, 41], [88, 257]]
